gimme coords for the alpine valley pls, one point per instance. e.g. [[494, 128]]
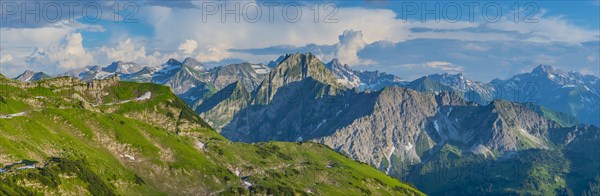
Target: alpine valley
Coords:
[[252, 128]]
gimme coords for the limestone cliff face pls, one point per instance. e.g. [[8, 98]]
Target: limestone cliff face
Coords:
[[399, 118], [101, 84], [249, 75], [405, 124], [299, 111], [392, 128], [294, 67], [220, 108]]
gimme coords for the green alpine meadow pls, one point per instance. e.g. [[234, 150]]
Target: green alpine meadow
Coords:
[[62, 136]]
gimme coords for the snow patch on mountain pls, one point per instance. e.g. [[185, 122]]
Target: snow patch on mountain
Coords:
[[260, 69], [363, 80], [145, 96]]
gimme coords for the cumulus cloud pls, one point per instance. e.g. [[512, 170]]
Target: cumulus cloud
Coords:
[[350, 43], [125, 50], [375, 24], [19, 40], [67, 54], [214, 53], [189, 46], [6, 58]]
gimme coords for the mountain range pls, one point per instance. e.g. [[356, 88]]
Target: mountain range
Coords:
[[64, 136], [409, 133], [534, 133]]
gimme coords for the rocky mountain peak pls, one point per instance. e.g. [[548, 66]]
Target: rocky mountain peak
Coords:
[[190, 60], [299, 66], [173, 61], [333, 64], [544, 69], [94, 67], [552, 73], [193, 63], [294, 67], [123, 67], [450, 79], [29, 72], [31, 76], [336, 64], [274, 63]]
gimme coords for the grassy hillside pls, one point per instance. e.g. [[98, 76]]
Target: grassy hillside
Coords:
[[527, 172], [62, 136]]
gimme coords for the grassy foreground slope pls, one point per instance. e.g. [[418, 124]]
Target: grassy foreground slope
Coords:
[[62, 136]]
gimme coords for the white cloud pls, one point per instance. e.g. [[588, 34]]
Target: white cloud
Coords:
[[548, 29], [67, 54], [6, 58], [444, 66], [189, 46], [214, 53], [350, 43], [20, 42], [125, 50], [375, 24]]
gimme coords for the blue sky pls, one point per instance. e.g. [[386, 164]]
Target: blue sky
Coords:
[[399, 37]]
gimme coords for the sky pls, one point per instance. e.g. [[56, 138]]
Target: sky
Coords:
[[481, 39]]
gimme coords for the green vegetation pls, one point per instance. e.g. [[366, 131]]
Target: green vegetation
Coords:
[[527, 172], [563, 119], [155, 147], [48, 176]]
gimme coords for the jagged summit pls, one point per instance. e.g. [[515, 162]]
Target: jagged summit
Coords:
[[544, 69], [31, 76], [190, 60], [293, 68], [274, 63], [363, 80], [123, 67], [250, 75], [172, 61], [336, 63], [193, 63]]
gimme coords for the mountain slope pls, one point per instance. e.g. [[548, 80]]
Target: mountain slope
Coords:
[[220, 108], [109, 137], [31, 76]]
